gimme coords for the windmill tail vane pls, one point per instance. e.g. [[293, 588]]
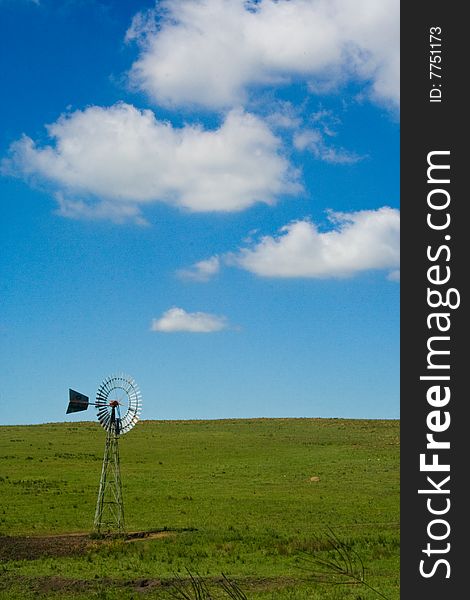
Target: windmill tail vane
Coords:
[[77, 402], [115, 393]]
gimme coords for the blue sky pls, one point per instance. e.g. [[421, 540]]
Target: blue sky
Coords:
[[204, 195]]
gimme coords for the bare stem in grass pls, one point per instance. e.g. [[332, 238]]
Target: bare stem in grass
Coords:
[[196, 588], [232, 589], [343, 567]]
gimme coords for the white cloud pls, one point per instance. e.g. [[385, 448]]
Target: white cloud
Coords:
[[202, 270], [314, 141], [209, 52], [177, 319], [358, 241], [109, 162], [280, 114], [117, 212]]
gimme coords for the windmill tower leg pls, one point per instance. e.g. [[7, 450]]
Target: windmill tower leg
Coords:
[[109, 514]]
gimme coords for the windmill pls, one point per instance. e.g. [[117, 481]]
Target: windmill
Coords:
[[118, 404]]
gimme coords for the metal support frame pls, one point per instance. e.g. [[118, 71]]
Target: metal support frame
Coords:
[[109, 514]]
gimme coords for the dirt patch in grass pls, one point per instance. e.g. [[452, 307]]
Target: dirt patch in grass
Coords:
[[152, 535], [33, 547]]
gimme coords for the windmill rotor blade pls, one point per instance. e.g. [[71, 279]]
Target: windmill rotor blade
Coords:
[[103, 417]]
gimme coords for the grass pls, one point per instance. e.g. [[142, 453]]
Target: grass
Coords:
[[247, 498]]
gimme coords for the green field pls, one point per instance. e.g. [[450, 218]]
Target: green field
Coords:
[[255, 499]]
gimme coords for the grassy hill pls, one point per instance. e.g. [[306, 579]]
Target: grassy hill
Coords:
[[255, 499]]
